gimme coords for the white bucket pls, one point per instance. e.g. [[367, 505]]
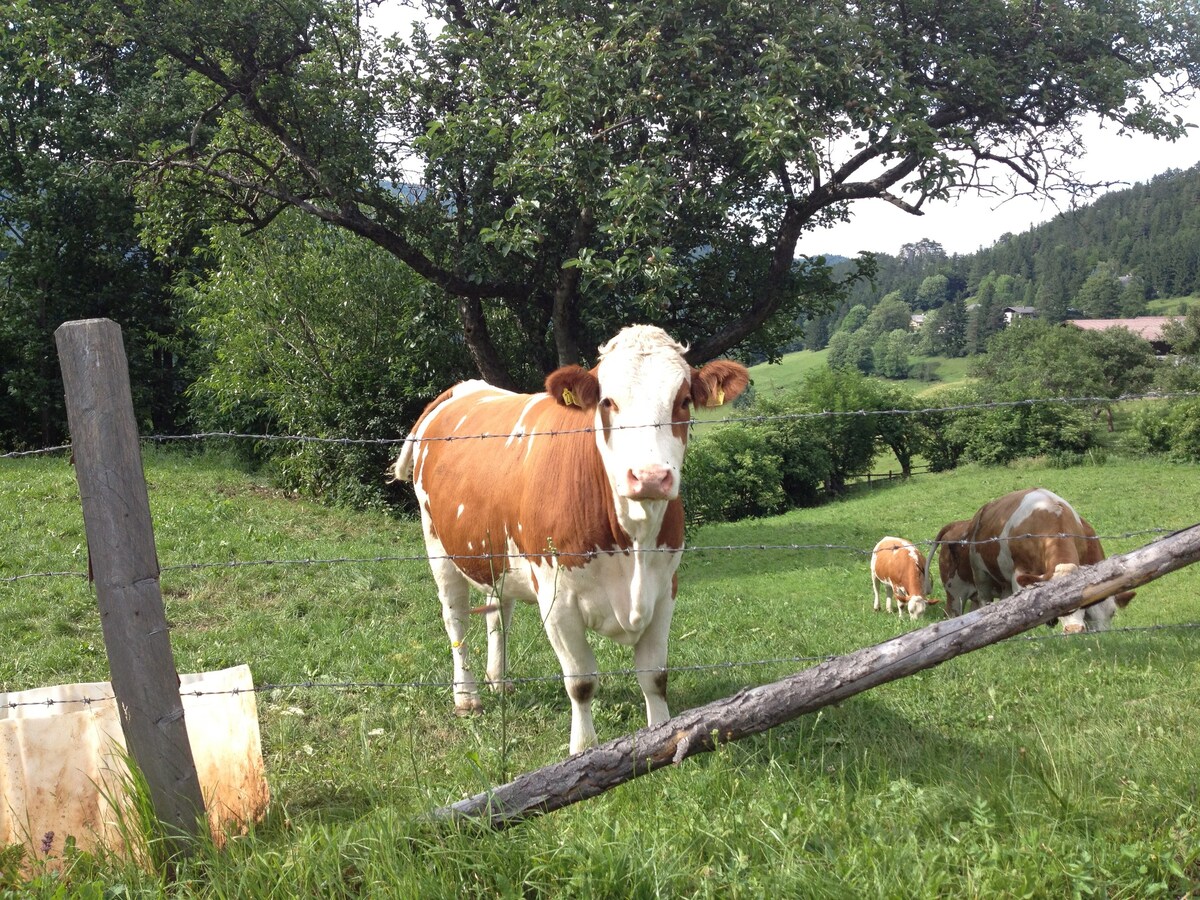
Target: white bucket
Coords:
[[62, 761]]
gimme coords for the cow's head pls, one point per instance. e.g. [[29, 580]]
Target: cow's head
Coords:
[[641, 395], [1094, 617], [916, 605]]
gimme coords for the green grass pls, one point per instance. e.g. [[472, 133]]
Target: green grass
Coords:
[[1171, 306], [786, 375], [771, 378], [1046, 767]]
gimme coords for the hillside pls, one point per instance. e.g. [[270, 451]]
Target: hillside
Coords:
[[1131, 252]]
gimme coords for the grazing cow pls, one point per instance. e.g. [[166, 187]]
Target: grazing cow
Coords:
[[1032, 536], [571, 501], [900, 568], [954, 565]]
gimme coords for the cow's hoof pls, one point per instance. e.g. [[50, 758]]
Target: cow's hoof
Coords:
[[469, 707]]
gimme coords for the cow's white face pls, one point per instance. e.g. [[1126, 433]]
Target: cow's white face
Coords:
[[645, 403], [640, 395]]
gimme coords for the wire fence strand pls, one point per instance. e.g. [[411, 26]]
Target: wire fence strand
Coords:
[[440, 685], [739, 420], [594, 554]]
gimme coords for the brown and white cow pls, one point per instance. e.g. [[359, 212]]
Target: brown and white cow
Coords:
[[571, 502], [954, 565], [1032, 536], [900, 567]]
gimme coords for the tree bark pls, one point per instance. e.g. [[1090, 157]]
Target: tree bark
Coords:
[[479, 343], [755, 710], [566, 292]]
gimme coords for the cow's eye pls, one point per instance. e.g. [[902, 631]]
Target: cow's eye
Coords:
[[608, 404]]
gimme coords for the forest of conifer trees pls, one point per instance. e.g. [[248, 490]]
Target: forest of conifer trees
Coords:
[[1105, 260]]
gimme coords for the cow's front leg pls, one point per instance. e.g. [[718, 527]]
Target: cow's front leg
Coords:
[[454, 593], [499, 616], [565, 629], [650, 660]]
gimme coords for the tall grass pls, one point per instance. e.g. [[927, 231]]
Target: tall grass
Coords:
[[1041, 767]]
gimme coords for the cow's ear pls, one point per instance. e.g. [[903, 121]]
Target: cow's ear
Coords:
[[721, 381], [1123, 598], [932, 601], [574, 386]]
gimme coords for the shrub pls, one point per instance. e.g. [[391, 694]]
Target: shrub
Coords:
[[731, 473], [1183, 423]]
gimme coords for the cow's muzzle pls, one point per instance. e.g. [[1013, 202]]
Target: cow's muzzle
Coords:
[[650, 483]]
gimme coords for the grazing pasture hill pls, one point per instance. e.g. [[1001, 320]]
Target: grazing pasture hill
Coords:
[[1045, 766]]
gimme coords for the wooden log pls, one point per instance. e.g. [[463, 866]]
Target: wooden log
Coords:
[[755, 710], [124, 566]]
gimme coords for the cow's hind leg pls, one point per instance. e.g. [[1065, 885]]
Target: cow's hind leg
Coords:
[[454, 592], [875, 592], [499, 617]]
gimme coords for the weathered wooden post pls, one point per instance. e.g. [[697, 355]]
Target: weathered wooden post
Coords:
[[124, 567]]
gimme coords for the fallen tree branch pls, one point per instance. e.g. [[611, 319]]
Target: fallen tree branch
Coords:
[[758, 709]]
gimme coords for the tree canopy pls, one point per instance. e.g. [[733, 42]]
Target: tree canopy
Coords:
[[561, 168]]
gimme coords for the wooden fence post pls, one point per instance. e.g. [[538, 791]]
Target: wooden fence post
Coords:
[[124, 567]]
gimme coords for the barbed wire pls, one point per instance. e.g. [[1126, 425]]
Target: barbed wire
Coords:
[[427, 684], [593, 554], [741, 420]]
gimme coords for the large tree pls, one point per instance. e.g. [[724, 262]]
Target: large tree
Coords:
[[69, 238], [559, 168]]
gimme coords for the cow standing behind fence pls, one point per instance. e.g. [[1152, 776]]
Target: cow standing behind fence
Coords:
[[1031, 536], [900, 567], [572, 502]]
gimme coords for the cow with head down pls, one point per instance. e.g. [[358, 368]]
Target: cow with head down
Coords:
[[1032, 536], [900, 567], [954, 565], [568, 499]]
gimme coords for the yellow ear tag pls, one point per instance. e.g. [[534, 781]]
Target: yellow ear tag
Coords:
[[568, 398], [720, 401]]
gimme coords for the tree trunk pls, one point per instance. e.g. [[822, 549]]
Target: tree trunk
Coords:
[[566, 292], [479, 343], [755, 710]]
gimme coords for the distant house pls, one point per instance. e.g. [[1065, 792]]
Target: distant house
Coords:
[[916, 320], [1018, 312], [1148, 327]]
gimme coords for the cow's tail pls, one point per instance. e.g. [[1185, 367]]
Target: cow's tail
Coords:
[[402, 468]]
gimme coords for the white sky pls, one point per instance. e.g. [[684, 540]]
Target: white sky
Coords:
[[971, 222]]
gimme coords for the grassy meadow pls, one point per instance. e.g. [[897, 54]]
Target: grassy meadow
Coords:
[[1043, 766]]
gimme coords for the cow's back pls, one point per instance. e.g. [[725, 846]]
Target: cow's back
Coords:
[[1025, 534], [499, 473]]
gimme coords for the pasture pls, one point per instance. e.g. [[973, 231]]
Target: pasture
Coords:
[[786, 375], [1047, 766]]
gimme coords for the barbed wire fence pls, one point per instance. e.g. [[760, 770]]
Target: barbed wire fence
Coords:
[[929, 544]]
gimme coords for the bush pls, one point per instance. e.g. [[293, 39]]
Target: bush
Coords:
[[1172, 430], [732, 473], [1183, 423], [999, 436]]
